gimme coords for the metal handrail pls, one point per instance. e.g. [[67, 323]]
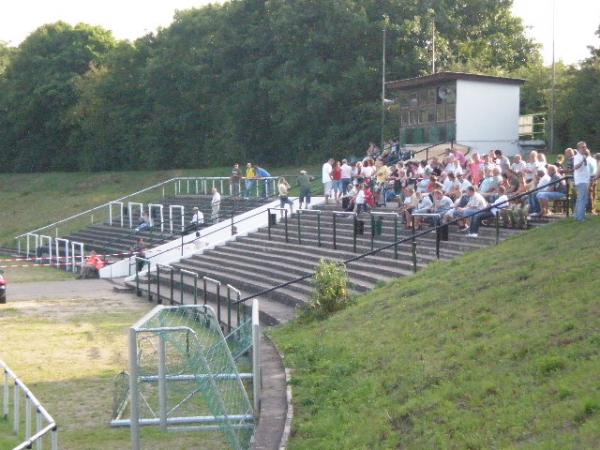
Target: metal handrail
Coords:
[[412, 238], [318, 213], [120, 199], [31, 401]]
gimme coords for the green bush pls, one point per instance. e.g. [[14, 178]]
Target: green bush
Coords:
[[331, 291]]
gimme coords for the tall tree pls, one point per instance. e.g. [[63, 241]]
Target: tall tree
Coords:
[[39, 81]]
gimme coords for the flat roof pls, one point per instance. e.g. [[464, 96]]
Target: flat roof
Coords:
[[450, 76]]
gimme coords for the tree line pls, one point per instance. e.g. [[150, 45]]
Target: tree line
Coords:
[[276, 82]]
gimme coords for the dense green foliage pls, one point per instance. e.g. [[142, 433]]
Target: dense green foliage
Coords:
[[273, 81], [331, 292], [577, 97], [496, 349]]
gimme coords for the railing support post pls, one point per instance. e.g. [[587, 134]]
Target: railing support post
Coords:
[[334, 233], [437, 238], [414, 255], [372, 232], [269, 222], [158, 299], [355, 226], [299, 232], [396, 236], [497, 220], [568, 200], [286, 224], [319, 228]]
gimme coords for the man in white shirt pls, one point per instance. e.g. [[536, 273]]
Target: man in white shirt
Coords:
[[346, 175], [476, 203], [581, 179], [197, 220], [592, 164], [500, 203], [327, 178], [215, 203]]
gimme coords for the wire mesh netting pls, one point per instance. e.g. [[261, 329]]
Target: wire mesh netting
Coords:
[[203, 385]]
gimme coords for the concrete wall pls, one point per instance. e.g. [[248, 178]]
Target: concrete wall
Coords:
[[487, 116]]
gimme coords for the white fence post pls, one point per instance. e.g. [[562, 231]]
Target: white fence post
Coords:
[[256, 357], [57, 242], [130, 206], [160, 208], [110, 209]]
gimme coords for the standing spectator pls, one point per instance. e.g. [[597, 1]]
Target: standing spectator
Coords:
[[502, 161], [215, 204], [284, 187], [518, 164], [581, 178], [235, 179], [250, 180], [139, 252], [346, 175], [327, 178], [305, 189], [360, 200], [336, 178], [593, 168], [475, 169]]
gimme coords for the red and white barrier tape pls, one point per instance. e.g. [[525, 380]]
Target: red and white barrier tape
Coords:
[[60, 258]]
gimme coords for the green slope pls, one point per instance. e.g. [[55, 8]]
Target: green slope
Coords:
[[497, 349]]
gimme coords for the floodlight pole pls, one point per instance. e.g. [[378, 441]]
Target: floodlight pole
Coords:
[[553, 107], [383, 88]]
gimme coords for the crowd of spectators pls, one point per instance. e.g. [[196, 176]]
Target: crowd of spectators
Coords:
[[456, 185]]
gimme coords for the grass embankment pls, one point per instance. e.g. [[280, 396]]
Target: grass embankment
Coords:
[[29, 201], [497, 349], [68, 353]]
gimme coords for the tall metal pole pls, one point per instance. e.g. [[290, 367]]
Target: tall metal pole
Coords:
[[553, 110], [433, 45], [382, 89]]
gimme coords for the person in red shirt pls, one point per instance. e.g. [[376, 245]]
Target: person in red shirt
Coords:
[[92, 267], [336, 176]]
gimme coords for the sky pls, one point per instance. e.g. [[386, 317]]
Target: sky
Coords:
[[576, 20]]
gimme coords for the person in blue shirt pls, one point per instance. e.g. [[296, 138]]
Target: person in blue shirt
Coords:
[[263, 173]]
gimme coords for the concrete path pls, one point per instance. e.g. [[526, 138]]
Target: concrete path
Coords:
[[47, 290]]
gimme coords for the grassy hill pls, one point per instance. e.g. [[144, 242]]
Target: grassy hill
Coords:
[[497, 349], [28, 201]]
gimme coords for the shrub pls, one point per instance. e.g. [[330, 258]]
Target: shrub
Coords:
[[331, 292]]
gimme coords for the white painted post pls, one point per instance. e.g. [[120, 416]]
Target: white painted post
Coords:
[[6, 393], [162, 382], [256, 380], [16, 416], [49, 239], [134, 398], [110, 215], [57, 242], [160, 208], [180, 208], [130, 206], [38, 428], [27, 417]]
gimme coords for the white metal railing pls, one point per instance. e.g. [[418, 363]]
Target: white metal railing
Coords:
[[151, 207], [181, 209], [31, 402], [259, 187]]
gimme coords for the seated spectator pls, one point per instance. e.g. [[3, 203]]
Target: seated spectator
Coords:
[[425, 206], [490, 183], [551, 193], [145, 222], [197, 220], [441, 203], [409, 204], [541, 179], [92, 266], [476, 202], [488, 163], [359, 199], [500, 203], [349, 198]]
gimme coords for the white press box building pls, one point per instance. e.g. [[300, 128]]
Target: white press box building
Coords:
[[478, 111]]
